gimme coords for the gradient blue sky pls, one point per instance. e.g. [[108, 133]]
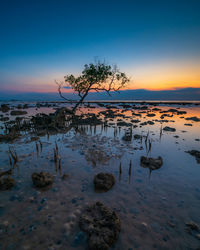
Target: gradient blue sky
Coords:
[[156, 42]]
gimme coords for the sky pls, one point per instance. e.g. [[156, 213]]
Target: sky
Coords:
[[157, 43]]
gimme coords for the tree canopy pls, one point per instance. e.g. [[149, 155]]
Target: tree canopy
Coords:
[[95, 77]]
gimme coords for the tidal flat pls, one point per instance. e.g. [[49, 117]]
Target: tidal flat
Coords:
[[157, 204]]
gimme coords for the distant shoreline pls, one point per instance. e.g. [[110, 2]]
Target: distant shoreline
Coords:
[[143, 102]]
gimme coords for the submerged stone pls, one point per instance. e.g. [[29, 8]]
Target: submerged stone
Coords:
[[169, 129], [137, 137], [151, 163], [195, 153], [8, 172], [104, 181], [6, 183], [65, 177], [151, 114], [42, 179], [194, 119], [101, 225], [10, 137], [18, 112], [127, 136], [193, 226], [4, 108]]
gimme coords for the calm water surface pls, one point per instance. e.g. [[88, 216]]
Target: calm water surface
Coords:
[[153, 205]]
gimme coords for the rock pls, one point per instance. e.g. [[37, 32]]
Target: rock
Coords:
[[194, 119], [143, 124], [35, 138], [176, 136], [137, 137], [6, 183], [8, 172], [172, 110], [4, 108], [10, 137], [143, 227], [198, 236], [127, 136], [151, 115], [169, 129], [135, 121], [18, 112], [178, 112], [89, 119], [193, 226], [150, 122], [25, 106], [171, 224], [123, 123], [104, 181], [101, 225], [65, 177], [42, 179], [195, 153], [151, 163], [4, 119]]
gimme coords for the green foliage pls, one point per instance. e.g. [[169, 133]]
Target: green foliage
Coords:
[[98, 77], [95, 77]]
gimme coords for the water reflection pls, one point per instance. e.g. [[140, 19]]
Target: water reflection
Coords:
[[81, 151]]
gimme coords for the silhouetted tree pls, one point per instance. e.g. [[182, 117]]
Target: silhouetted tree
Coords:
[[95, 77]]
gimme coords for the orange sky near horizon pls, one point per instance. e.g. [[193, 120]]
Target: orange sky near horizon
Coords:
[[163, 76]]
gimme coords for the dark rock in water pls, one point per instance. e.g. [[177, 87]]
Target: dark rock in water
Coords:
[[18, 112], [195, 153], [90, 119], [2, 210], [8, 172], [193, 226], [16, 197], [127, 136], [123, 123], [10, 137], [176, 136], [65, 177], [4, 119], [35, 138], [151, 163], [101, 225], [6, 183], [143, 123], [4, 108], [104, 181], [194, 119], [198, 237], [169, 129], [151, 122], [137, 137], [156, 109], [42, 179], [178, 112], [135, 121], [151, 115]]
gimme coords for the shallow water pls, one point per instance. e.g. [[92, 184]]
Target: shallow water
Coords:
[[153, 205]]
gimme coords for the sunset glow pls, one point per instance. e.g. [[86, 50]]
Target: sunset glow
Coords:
[[156, 45]]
